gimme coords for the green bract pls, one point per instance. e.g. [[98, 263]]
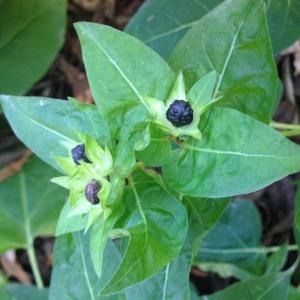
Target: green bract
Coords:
[[223, 71]]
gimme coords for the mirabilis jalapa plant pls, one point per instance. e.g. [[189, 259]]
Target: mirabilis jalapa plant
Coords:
[[203, 118]]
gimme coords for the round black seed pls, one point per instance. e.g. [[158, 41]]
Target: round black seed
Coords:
[[180, 113], [78, 154], [91, 191]]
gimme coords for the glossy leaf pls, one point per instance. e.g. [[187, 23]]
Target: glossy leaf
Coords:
[[241, 225], [31, 33], [234, 157], [161, 24], [173, 281], [243, 59], [29, 205], [121, 71], [157, 224], [270, 286], [52, 127], [284, 23], [158, 151], [73, 276]]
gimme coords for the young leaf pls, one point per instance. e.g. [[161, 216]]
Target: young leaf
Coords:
[[172, 283], [233, 40], [236, 155], [72, 256], [31, 33], [157, 225], [241, 225], [271, 286], [121, 71], [52, 127], [29, 205]]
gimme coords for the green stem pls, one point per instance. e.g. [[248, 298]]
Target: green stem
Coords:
[[249, 250], [290, 133], [34, 266], [278, 125]]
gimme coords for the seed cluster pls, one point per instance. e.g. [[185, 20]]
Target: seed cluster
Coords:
[[180, 113]]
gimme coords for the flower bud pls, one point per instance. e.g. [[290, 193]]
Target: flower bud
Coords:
[[180, 113], [91, 192]]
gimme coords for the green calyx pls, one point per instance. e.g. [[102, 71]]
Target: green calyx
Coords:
[[200, 97], [98, 168]]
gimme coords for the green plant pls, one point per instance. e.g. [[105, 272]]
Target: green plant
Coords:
[[223, 74]]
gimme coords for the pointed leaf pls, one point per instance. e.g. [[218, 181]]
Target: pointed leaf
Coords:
[[234, 146], [157, 226], [233, 40], [121, 71], [52, 127]]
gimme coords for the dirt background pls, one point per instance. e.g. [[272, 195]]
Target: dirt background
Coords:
[[67, 77]]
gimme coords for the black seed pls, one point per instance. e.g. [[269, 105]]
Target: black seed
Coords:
[[91, 191], [78, 154], [180, 113]]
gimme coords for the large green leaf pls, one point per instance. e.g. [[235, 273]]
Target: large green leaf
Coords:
[[51, 127], [243, 59], [73, 276], [161, 24], [173, 282], [157, 224], [121, 71], [21, 291], [31, 33], [29, 205], [270, 286], [236, 155], [284, 23], [241, 225]]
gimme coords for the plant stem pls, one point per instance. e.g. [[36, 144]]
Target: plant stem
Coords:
[[34, 266], [278, 125], [290, 133], [249, 250]]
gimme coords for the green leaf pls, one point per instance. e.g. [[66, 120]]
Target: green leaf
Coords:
[[52, 127], [243, 59], [241, 225], [121, 71], [168, 20], [233, 146], [29, 205], [21, 291], [69, 223], [158, 151], [277, 260], [270, 286], [157, 224], [73, 276], [173, 281], [284, 23], [31, 33]]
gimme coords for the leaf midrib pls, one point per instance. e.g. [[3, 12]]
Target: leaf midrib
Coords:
[[47, 128], [236, 153]]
